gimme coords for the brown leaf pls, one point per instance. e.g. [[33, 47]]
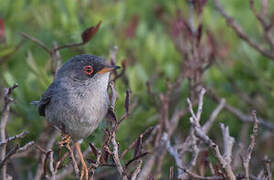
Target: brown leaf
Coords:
[[127, 100], [2, 31], [199, 5], [90, 32], [138, 147], [111, 115], [199, 34], [130, 30], [94, 149], [159, 11]]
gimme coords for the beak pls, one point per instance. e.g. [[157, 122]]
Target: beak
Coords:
[[108, 69]]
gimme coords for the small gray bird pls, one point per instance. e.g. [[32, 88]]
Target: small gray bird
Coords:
[[77, 100]]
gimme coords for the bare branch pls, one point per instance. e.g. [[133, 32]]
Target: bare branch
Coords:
[[240, 115], [238, 30], [196, 176], [26, 147], [4, 119], [171, 173], [51, 167], [228, 144], [116, 158], [9, 154], [213, 116], [137, 170], [37, 41], [225, 159], [74, 162], [17, 136], [247, 155]]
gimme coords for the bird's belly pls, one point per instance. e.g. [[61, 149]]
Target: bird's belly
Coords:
[[78, 119]]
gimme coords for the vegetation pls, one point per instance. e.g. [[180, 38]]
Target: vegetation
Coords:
[[170, 51]]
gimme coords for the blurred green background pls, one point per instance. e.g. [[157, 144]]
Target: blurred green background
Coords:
[[144, 42]]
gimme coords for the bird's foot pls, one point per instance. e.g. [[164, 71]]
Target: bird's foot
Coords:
[[66, 139], [84, 172]]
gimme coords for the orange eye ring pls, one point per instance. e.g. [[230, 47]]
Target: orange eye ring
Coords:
[[88, 70]]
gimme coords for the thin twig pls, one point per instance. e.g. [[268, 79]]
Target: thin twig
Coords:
[[137, 170], [196, 176], [9, 154], [17, 136], [4, 119], [74, 162], [225, 159], [68, 46], [37, 41], [213, 116], [116, 158], [238, 30], [136, 158], [240, 115], [247, 156]]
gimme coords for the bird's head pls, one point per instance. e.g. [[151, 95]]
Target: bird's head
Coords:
[[84, 68]]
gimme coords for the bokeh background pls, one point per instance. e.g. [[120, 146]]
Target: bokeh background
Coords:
[[142, 32]]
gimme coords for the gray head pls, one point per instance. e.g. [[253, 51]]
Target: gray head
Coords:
[[84, 68]]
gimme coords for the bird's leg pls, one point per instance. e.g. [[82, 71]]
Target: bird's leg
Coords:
[[84, 171]]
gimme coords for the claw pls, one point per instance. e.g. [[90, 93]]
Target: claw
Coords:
[[66, 139]]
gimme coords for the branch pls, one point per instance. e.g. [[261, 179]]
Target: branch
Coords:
[[26, 147], [116, 159], [213, 116], [267, 168], [247, 156], [9, 154], [240, 115], [238, 30], [137, 170], [196, 176], [17, 136], [74, 162], [37, 41], [4, 119], [225, 159]]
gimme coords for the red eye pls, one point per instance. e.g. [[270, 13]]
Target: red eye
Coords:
[[88, 70]]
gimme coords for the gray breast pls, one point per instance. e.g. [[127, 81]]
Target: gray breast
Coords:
[[78, 110]]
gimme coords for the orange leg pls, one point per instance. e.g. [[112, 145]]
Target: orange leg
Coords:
[[84, 171]]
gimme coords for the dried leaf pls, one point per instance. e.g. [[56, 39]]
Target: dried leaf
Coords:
[[127, 100], [2, 31], [199, 5], [159, 11], [131, 27], [148, 132], [90, 32], [138, 147], [94, 149], [112, 115], [199, 34]]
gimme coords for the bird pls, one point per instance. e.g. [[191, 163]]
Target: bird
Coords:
[[77, 100]]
